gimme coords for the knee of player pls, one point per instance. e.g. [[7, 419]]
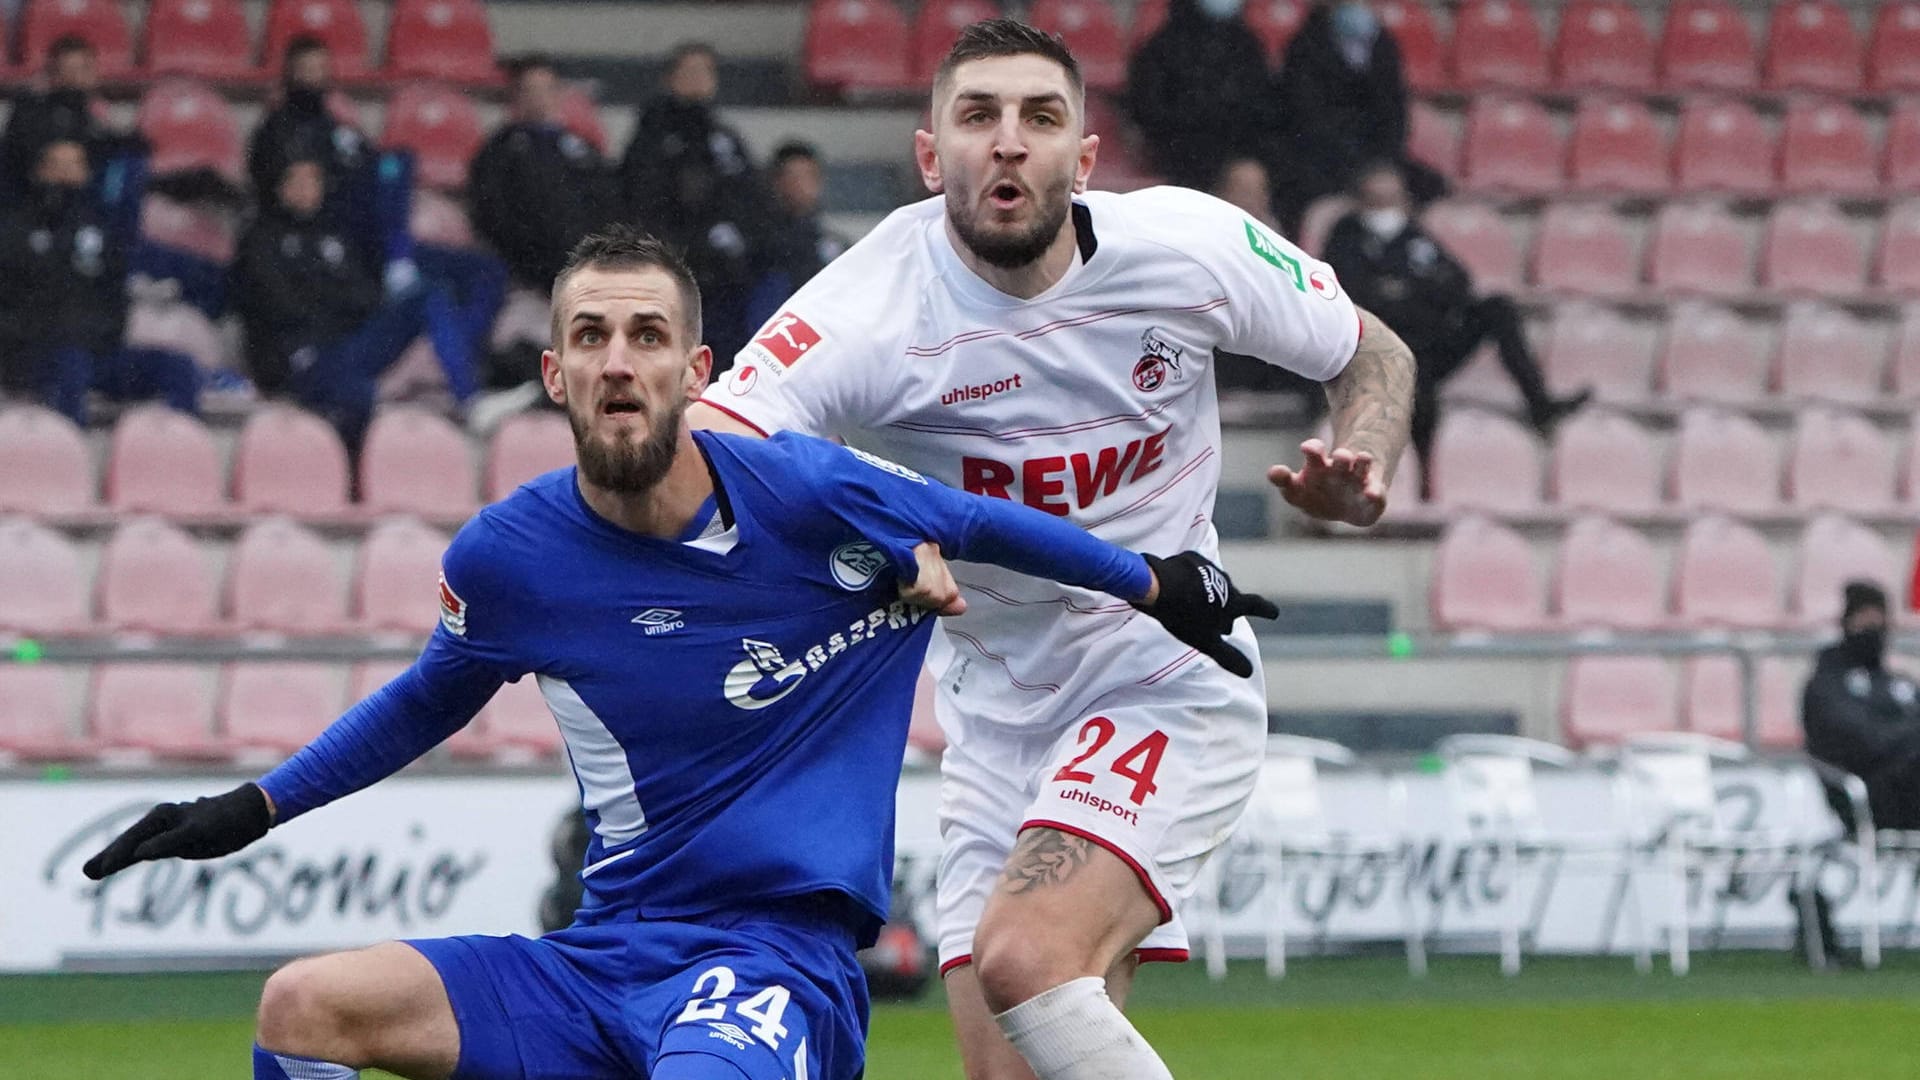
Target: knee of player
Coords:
[[1015, 963], [298, 1015]]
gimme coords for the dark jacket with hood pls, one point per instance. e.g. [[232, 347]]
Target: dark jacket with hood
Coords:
[[63, 274], [1200, 93], [302, 129], [298, 282], [536, 189], [1335, 117]]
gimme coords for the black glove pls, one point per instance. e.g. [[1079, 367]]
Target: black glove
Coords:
[[1198, 604], [202, 829]]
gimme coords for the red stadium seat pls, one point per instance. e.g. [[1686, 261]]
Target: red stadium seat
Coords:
[[939, 24], [290, 462], [336, 22], [1897, 262], [1602, 350], [1724, 576], [1475, 234], [37, 713], [441, 39], [1484, 461], [1713, 699], [393, 587], [42, 580], [163, 710], [1825, 149], [1605, 462], [1606, 699], [203, 39], [190, 127], [518, 722], [1603, 45], [1840, 461], [1893, 55], [165, 462], [1833, 551], [1433, 138], [189, 227], [415, 462], [1904, 365], [154, 578], [1275, 22], [1811, 46], [1706, 46], [100, 22], [1711, 354], [275, 707], [1617, 147], [49, 470], [857, 45], [1900, 169], [1091, 31], [1584, 250], [580, 114], [284, 579], [1699, 250], [1607, 576], [1422, 56], [1722, 146], [1828, 355], [523, 447], [1810, 249], [1483, 579], [442, 128], [1497, 45], [1512, 147], [1725, 461]]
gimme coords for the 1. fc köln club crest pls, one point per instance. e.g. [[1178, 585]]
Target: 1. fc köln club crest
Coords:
[[1158, 362]]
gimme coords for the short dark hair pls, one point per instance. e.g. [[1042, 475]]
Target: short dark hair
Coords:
[[517, 66], [68, 43], [623, 247], [302, 44], [989, 38], [793, 149]]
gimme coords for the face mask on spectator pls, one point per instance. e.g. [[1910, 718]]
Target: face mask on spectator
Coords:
[[1866, 648], [1220, 9], [1355, 22], [56, 199], [1385, 223], [306, 99]]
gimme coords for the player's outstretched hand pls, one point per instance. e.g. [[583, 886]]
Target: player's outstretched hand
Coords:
[[202, 829], [1198, 603], [1341, 485], [934, 587]]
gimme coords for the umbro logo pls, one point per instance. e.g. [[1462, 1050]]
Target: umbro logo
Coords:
[[659, 620]]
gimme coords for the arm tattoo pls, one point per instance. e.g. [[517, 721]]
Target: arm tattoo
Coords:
[[1044, 857], [1372, 400]]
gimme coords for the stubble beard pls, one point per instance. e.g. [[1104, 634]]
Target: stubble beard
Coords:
[[1012, 250]]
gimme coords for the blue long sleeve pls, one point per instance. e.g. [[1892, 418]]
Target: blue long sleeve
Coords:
[[1041, 545]]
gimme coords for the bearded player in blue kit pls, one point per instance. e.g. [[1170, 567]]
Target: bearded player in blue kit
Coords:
[[737, 767]]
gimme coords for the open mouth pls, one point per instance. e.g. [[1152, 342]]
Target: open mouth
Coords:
[[1005, 195], [620, 408]]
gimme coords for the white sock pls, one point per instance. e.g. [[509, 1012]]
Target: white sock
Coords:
[[1074, 1032]]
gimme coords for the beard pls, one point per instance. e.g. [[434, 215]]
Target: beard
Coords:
[[626, 465], [1011, 250]]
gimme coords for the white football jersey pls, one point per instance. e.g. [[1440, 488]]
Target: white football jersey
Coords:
[[1094, 401]]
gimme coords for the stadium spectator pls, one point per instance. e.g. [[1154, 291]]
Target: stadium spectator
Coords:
[[63, 298], [535, 187], [1391, 267], [798, 244], [689, 180], [320, 322], [71, 107], [301, 127], [1342, 105], [1200, 93], [1863, 718]]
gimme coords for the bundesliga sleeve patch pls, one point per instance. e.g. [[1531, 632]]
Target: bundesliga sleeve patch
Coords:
[[786, 340], [453, 610]]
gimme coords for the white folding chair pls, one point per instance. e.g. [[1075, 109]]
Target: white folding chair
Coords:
[[1876, 851]]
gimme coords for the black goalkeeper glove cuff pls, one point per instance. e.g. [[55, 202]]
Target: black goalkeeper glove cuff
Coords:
[[1198, 604], [202, 829]]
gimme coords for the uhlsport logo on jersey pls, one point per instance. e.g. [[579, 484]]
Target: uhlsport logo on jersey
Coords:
[[659, 620], [855, 565], [766, 675], [453, 610], [786, 340], [1159, 361]]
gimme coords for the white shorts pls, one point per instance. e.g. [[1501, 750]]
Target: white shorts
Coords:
[[1157, 772]]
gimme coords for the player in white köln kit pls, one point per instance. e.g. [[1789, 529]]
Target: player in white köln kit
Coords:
[[1023, 338]]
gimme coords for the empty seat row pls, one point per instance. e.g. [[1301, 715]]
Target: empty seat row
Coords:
[[1804, 248], [1619, 147], [1718, 461], [1607, 699], [285, 461], [140, 711], [1607, 575], [280, 577], [210, 39]]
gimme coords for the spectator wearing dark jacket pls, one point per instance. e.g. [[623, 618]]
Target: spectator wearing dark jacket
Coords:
[[1863, 718], [63, 298], [1391, 267], [301, 127], [1342, 102], [535, 187], [320, 322], [1200, 93], [70, 108], [797, 244]]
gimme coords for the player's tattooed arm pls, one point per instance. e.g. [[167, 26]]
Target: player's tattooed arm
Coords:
[[1372, 400], [1044, 857]]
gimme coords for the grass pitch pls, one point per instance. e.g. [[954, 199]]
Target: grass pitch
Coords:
[[1751, 1016]]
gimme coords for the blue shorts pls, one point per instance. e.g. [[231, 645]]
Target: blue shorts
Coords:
[[769, 994]]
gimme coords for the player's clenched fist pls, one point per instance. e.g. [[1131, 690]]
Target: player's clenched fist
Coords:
[[202, 829], [1198, 603]]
